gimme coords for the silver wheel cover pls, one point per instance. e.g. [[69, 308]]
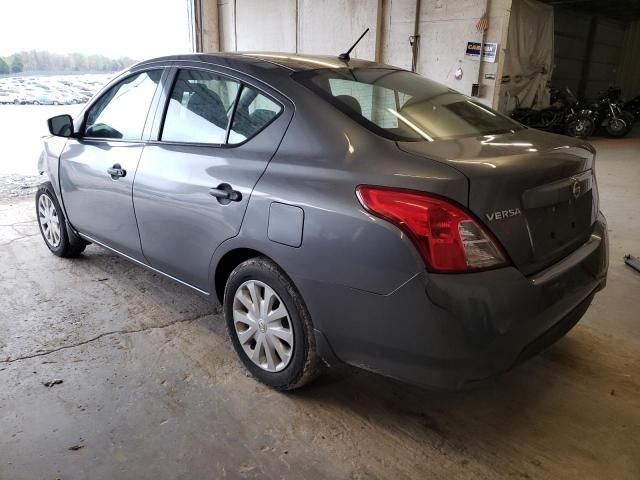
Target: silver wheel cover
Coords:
[[49, 220], [263, 326]]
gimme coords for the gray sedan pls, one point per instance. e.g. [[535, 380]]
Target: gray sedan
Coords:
[[340, 210]]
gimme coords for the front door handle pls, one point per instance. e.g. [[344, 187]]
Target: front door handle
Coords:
[[116, 171], [225, 194]]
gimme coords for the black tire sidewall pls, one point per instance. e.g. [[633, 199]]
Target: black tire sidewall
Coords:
[[60, 250], [629, 119], [267, 272], [619, 133], [571, 131]]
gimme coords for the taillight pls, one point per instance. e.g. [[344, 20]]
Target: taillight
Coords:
[[448, 239]]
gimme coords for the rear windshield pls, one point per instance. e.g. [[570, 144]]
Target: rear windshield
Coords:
[[404, 106]]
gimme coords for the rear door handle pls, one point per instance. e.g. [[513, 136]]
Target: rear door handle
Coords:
[[116, 171], [225, 194]]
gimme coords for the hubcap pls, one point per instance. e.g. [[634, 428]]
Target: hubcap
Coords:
[[49, 221], [262, 325]]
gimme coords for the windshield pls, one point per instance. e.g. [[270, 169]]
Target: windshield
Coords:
[[404, 106]]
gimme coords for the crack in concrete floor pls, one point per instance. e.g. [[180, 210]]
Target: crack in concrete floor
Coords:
[[4, 244], [102, 335]]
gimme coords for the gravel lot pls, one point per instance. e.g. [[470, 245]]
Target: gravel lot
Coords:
[[22, 127]]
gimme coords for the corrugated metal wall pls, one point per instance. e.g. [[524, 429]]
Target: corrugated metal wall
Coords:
[[586, 68], [629, 73]]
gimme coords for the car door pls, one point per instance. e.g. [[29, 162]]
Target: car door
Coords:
[[216, 136], [98, 167]]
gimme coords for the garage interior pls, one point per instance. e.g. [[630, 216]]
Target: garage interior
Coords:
[[594, 46], [151, 387]]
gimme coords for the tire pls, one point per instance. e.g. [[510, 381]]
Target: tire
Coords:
[[289, 336], [580, 127], [617, 127], [629, 118], [36, 102], [48, 212]]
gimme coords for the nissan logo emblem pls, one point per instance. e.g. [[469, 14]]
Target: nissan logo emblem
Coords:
[[576, 190]]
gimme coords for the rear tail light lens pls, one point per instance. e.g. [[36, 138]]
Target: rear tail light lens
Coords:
[[448, 239]]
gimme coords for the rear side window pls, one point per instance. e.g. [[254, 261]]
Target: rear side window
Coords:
[[401, 105], [122, 111], [200, 108], [373, 102], [253, 113]]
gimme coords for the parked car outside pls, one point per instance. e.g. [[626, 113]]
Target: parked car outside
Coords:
[[6, 98], [340, 210], [20, 96], [48, 99]]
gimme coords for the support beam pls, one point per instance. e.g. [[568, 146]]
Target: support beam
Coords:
[[379, 31], [629, 73], [588, 56], [415, 38], [206, 26], [196, 24], [502, 42]]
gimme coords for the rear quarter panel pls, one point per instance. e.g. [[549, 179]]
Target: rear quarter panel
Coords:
[[324, 156]]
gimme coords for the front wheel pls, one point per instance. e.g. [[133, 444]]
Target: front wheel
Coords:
[[617, 127], [269, 325], [580, 127], [52, 224]]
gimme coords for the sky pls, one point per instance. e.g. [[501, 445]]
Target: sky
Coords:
[[116, 28]]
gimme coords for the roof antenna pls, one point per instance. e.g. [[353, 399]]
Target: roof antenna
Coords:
[[345, 56]]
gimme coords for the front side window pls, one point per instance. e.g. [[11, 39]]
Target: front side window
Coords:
[[404, 106], [253, 113], [200, 108], [121, 112]]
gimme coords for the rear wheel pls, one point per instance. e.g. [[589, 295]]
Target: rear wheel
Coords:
[[269, 325], [52, 224], [629, 118]]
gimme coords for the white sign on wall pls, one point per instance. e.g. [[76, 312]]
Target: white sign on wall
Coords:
[[473, 51]]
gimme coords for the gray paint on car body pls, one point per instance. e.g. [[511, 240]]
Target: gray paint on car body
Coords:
[[286, 223], [372, 301]]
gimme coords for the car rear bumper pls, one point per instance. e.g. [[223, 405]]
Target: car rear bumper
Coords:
[[445, 331]]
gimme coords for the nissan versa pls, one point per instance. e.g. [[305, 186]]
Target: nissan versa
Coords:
[[341, 210]]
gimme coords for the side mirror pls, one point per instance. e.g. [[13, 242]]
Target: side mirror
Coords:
[[61, 126]]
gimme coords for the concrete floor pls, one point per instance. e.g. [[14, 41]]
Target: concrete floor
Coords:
[[152, 389]]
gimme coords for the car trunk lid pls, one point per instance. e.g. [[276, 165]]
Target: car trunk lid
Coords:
[[534, 191]]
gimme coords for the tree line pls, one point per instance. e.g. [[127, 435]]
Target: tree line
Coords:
[[43, 61]]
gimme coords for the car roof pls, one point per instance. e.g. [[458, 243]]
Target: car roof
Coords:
[[294, 62]]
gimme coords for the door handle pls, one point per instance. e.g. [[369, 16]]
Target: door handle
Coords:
[[116, 171], [225, 194]]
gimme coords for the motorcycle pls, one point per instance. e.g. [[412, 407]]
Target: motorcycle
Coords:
[[607, 113], [560, 117], [633, 107], [615, 94]]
